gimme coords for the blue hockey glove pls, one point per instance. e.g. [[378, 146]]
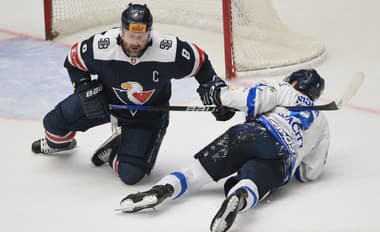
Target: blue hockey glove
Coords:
[[209, 91]]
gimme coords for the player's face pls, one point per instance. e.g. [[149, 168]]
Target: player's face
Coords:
[[135, 42]]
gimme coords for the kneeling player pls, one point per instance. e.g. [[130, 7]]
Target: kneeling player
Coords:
[[134, 65]]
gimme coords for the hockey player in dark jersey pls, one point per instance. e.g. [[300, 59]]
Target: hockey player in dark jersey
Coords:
[[263, 153], [127, 65]]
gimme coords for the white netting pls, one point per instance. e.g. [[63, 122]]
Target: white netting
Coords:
[[260, 39]]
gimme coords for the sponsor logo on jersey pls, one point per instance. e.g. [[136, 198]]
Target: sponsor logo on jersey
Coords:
[[286, 138], [264, 84], [295, 125], [133, 92]]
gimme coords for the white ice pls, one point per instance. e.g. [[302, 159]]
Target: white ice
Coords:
[[66, 193]]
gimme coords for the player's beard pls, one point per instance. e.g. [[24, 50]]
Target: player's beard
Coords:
[[134, 50]]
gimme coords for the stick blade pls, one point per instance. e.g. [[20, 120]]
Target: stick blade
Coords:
[[353, 87]]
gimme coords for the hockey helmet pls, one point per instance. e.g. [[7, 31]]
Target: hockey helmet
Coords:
[[309, 82], [136, 18]]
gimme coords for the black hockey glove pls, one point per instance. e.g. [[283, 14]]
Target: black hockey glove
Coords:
[[209, 91], [223, 113], [94, 102]]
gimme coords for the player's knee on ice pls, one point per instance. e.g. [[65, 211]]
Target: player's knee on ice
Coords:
[[130, 174]]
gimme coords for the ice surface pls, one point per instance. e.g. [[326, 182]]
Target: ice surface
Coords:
[[66, 193]]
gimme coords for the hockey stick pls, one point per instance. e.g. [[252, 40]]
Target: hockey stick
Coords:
[[165, 108], [352, 88], [349, 92]]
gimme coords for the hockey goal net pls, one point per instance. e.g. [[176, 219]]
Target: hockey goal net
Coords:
[[255, 39]]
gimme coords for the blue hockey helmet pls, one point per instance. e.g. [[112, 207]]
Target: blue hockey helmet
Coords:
[[309, 82], [137, 18]]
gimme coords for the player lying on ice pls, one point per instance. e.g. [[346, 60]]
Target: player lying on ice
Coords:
[[265, 151]]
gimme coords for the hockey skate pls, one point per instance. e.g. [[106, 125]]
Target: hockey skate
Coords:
[[102, 154], [226, 215], [148, 199], [41, 146]]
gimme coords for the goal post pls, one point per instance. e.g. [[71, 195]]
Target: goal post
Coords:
[[255, 39], [228, 42]]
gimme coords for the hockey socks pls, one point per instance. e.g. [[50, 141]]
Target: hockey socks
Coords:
[[253, 193], [172, 186], [187, 179]]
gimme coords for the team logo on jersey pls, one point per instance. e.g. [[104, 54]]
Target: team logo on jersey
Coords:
[[166, 44], [133, 60], [104, 43], [133, 92]]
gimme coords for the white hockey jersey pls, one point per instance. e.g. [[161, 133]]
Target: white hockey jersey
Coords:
[[305, 134]]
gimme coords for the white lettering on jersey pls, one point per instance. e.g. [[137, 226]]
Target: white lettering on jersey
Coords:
[[155, 76], [186, 54]]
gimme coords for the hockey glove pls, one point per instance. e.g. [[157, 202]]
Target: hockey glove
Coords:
[[93, 100], [209, 91], [223, 113]]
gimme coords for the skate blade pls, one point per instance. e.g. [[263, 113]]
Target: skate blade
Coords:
[[130, 207], [220, 224]]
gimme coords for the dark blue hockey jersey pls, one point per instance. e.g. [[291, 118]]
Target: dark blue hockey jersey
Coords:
[[137, 80]]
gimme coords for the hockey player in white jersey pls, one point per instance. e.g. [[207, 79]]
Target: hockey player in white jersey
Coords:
[[271, 146]]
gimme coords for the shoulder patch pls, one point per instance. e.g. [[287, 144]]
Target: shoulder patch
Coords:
[[166, 44], [106, 48], [104, 43]]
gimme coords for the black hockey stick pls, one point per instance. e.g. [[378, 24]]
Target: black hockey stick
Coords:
[[165, 108], [349, 92], [352, 88]]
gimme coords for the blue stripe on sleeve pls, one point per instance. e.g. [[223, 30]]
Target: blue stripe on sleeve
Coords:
[[251, 99]]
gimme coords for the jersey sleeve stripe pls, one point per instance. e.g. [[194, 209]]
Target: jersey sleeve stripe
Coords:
[[199, 56], [251, 102], [76, 59]]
